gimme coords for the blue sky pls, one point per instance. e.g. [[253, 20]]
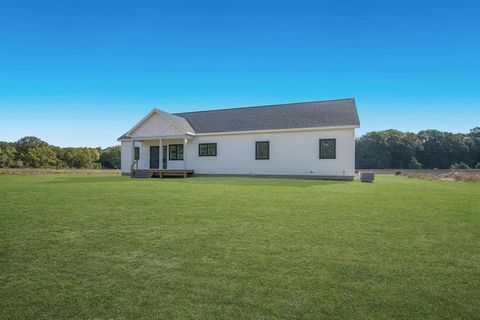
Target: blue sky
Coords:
[[81, 73]]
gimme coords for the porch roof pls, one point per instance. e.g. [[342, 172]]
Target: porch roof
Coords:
[[173, 121], [156, 138]]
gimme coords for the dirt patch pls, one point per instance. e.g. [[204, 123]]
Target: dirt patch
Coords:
[[449, 176]]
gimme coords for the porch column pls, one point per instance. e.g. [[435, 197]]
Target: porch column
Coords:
[[160, 154], [185, 153], [133, 152]]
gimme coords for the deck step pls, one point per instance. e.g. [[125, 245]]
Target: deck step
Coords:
[[159, 173], [142, 174]]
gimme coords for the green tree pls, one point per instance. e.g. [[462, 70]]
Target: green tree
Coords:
[[8, 155], [442, 149], [110, 158], [434, 154], [387, 149], [414, 164], [26, 143], [371, 151], [80, 158], [430, 148], [458, 147], [41, 157], [402, 147], [474, 134]]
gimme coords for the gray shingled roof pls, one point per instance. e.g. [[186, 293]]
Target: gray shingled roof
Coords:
[[282, 116], [342, 112]]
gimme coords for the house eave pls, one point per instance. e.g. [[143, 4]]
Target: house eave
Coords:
[[279, 130], [187, 135], [192, 135]]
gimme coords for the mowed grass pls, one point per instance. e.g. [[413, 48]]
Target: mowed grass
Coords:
[[84, 247]]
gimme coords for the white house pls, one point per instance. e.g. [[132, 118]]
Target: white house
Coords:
[[308, 139]]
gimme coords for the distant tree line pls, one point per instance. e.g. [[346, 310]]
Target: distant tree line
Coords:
[[388, 149], [32, 152], [428, 149]]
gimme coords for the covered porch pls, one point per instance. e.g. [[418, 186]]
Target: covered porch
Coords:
[[164, 156]]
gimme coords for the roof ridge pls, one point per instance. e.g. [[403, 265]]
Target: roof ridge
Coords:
[[263, 106]]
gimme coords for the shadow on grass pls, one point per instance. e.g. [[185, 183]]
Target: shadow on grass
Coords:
[[260, 181], [231, 181], [86, 179]]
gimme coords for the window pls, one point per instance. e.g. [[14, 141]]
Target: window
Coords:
[[137, 153], [262, 150], [175, 152], [327, 149], [207, 150]]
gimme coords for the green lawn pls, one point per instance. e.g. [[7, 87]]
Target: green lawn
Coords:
[[86, 246]]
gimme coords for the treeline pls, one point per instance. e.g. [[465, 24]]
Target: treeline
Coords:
[[32, 152], [388, 149], [428, 149]]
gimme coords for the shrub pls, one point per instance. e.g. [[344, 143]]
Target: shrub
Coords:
[[461, 165], [414, 164]]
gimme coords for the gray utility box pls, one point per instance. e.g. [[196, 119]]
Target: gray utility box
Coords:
[[367, 176]]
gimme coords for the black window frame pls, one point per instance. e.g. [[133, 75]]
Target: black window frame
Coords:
[[208, 149], [334, 149], [176, 152], [256, 150], [136, 153]]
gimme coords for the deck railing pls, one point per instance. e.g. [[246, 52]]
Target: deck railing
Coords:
[[134, 165]]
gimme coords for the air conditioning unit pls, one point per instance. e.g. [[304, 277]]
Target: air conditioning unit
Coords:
[[367, 176]]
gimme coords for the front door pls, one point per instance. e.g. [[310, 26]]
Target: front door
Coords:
[[154, 157], [164, 153]]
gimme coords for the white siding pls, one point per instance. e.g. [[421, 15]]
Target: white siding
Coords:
[[126, 156], [291, 153]]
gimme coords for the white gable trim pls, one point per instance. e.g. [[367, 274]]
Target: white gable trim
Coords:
[[166, 128], [163, 114], [147, 138], [139, 123], [169, 117]]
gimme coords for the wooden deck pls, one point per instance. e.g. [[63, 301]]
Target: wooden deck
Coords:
[[163, 173]]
